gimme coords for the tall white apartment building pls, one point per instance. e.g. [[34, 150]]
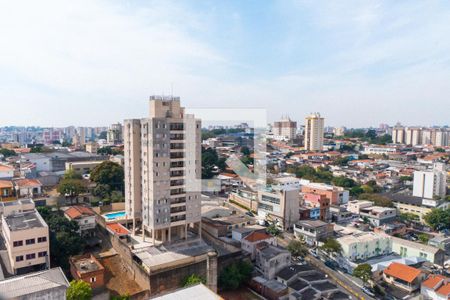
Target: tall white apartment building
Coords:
[[428, 184], [442, 138], [398, 135], [314, 127], [413, 136], [114, 134], [162, 165], [285, 128]]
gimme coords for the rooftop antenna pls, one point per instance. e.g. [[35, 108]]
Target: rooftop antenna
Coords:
[[171, 89]]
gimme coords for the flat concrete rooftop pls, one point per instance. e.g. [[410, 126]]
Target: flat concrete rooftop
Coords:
[[25, 220]]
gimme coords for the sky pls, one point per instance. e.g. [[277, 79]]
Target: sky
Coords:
[[358, 63]]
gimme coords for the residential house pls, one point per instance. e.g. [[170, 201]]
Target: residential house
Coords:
[[319, 206], [28, 187], [403, 276], [441, 242], [271, 259], [436, 287], [85, 218], [6, 172], [336, 195], [89, 269], [407, 248], [6, 190], [248, 244], [361, 246], [313, 231], [378, 215]]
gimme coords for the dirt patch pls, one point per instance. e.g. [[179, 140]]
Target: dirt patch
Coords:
[[118, 279]]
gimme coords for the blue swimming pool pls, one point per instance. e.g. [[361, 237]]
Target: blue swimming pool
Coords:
[[115, 215]]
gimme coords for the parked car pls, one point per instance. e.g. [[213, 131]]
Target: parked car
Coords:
[[314, 253], [331, 264], [367, 291], [250, 214]]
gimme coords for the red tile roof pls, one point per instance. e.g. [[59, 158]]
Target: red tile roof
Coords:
[[432, 281], [402, 272], [444, 290], [27, 182], [5, 184], [5, 168], [78, 211], [256, 236], [117, 228]]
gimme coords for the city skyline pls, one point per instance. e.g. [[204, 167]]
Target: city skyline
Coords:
[[100, 60]]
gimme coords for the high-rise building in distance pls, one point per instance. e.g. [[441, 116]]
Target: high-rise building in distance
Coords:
[[163, 157], [430, 184], [314, 127], [285, 128]]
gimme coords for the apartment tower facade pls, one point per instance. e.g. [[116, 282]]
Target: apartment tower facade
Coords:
[[285, 128], [162, 171], [314, 128]]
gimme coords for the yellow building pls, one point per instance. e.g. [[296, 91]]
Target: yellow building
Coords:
[[6, 190]]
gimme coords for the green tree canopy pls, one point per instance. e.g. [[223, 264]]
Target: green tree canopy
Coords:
[[363, 271], [71, 187], [344, 182], [79, 290], [234, 275], [273, 230], [7, 152], [297, 248], [438, 219], [65, 240], [245, 151], [71, 174], [378, 200], [193, 279], [109, 173], [331, 245]]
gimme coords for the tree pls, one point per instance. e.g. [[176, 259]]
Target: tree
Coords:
[[102, 190], [331, 245], [441, 150], [409, 217], [37, 149], [245, 151], [344, 182], [341, 161], [423, 238], [79, 290], [356, 191], [273, 230], [71, 187], [438, 219], [71, 174], [65, 240], [117, 196], [109, 173], [103, 135], [234, 275], [363, 271], [193, 280], [378, 200], [7, 152], [297, 248]]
